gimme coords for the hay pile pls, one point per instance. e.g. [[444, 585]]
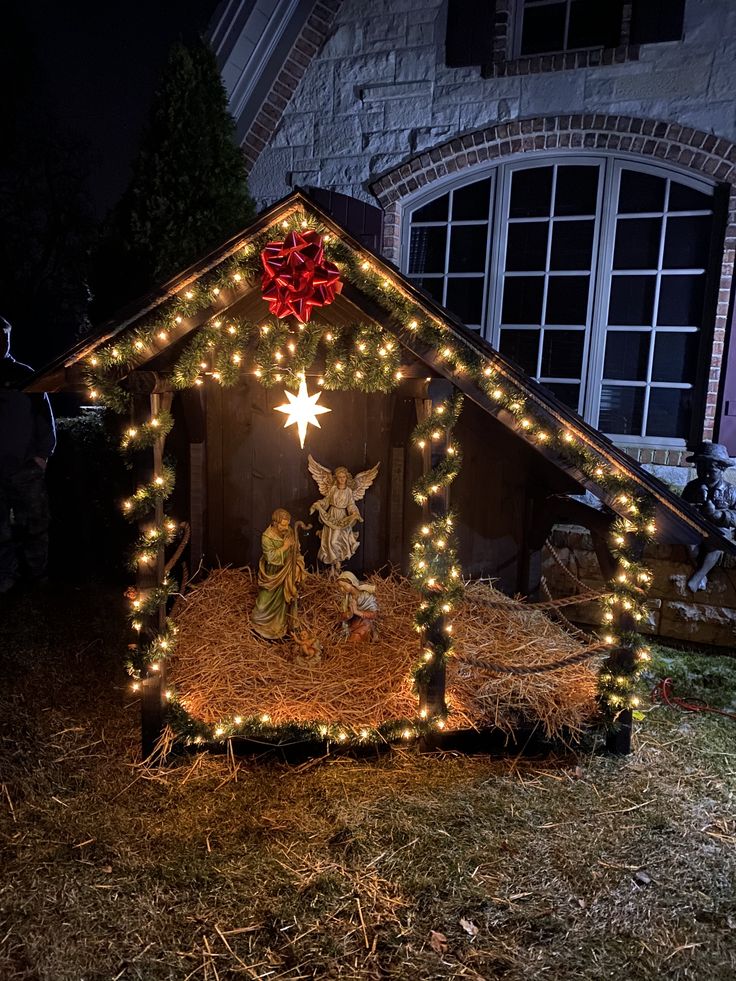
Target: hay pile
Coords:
[[223, 669]]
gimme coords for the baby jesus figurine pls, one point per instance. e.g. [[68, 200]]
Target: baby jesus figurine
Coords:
[[360, 608]]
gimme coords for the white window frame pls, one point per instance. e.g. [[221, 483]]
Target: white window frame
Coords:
[[601, 273]]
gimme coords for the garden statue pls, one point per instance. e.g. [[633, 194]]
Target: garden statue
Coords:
[[280, 572], [360, 608], [337, 510], [715, 498]]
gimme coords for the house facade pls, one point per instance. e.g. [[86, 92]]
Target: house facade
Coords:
[[558, 174]]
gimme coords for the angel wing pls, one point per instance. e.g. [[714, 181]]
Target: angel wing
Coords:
[[323, 477], [363, 480]]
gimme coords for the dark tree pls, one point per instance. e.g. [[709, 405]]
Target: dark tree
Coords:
[[46, 222], [188, 192]]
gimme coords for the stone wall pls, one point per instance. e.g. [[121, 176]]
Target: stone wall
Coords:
[[706, 617], [377, 92]]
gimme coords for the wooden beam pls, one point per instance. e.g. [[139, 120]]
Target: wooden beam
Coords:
[[432, 695]]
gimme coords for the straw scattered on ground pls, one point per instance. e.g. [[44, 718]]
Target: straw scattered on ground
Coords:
[[223, 669], [411, 866]]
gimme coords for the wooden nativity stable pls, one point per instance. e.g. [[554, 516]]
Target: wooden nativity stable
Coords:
[[477, 464]]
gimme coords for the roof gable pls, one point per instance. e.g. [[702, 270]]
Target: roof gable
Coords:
[[212, 286]]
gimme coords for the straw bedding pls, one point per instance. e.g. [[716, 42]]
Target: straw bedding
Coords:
[[223, 669]]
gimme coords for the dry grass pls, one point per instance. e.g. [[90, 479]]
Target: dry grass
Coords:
[[223, 669], [409, 867]]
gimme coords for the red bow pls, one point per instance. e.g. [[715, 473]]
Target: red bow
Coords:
[[297, 277]]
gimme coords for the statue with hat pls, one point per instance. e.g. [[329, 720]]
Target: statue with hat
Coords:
[[715, 498]]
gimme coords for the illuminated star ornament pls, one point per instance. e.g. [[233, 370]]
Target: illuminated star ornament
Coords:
[[302, 409]]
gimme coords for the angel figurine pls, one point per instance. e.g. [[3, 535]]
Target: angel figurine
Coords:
[[337, 510]]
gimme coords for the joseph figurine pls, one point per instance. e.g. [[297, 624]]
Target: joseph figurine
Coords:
[[280, 572]]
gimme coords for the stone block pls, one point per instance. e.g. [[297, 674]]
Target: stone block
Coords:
[[345, 41], [384, 142], [340, 171], [315, 91], [386, 91], [701, 624], [366, 69], [479, 90], [477, 115], [552, 92], [425, 137], [383, 162], [337, 137], [420, 33], [415, 64], [413, 114], [689, 80], [388, 30], [295, 129]]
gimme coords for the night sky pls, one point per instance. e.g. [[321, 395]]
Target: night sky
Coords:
[[96, 66]]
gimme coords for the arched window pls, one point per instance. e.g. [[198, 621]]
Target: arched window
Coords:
[[589, 271]]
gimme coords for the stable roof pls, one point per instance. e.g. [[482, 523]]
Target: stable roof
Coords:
[[676, 520]]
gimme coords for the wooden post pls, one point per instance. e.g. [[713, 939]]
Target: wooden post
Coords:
[[148, 402], [622, 660], [432, 696]]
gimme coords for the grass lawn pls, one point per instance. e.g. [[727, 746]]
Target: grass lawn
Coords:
[[408, 867]]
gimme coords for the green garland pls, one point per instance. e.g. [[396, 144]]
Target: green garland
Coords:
[[147, 496], [221, 347], [261, 729], [144, 436], [435, 569]]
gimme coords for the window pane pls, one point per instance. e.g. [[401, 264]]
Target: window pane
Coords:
[[522, 346], [622, 410], [565, 392], [427, 250], [640, 192], [522, 300], [433, 211], [468, 248], [526, 245], [471, 202], [577, 190], [544, 28], [632, 300], [531, 190], [674, 357], [465, 299], [681, 301], [669, 412], [686, 243], [567, 300], [572, 245], [434, 287], [627, 355], [684, 198], [594, 24], [562, 353], [637, 243]]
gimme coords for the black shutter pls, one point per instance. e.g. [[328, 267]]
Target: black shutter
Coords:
[[469, 37], [657, 20]]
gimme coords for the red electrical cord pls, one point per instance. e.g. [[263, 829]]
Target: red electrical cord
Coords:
[[662, 692]]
